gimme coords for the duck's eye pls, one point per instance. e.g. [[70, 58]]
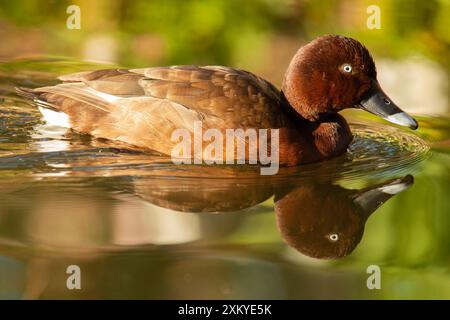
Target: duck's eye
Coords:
[[333, 237], [347, 68]]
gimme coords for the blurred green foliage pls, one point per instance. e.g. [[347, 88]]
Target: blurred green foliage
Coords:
[[234, 32]]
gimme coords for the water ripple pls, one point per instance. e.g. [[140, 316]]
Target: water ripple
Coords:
[[26, 144]]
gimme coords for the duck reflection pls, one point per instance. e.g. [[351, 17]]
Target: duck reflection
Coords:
[[320, 219], [206, 189], [327, 221], [314, 214]]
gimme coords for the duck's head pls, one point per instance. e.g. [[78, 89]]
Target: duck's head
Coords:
[[332, 73]]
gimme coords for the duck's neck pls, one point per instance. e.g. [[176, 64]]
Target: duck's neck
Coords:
[[329, 135], [292, 114]]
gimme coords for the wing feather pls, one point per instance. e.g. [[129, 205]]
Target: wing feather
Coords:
[[144, 106]]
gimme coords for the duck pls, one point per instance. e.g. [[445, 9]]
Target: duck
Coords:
[[142, 107]]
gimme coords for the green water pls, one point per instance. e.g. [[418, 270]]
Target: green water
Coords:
[[140, 227]]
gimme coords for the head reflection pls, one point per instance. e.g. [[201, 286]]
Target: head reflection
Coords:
[[327, 221]]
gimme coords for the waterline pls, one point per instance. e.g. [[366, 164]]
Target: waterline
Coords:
[[250, 146]]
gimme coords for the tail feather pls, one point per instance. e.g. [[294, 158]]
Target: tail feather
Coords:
[[32, 95], [71, 105], [26, 92], [50, 113]]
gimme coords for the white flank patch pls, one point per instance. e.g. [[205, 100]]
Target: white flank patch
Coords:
[[55, 118]]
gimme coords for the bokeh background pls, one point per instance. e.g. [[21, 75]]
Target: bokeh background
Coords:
[[411, 47]]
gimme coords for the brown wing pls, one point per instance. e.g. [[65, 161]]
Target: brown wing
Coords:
[[144, 106], [239, 98]]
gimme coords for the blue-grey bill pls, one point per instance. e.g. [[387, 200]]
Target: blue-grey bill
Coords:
[[371, 198], [378, 103]]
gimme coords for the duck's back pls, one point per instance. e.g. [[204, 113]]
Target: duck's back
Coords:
[[240, 98], [144, 106]]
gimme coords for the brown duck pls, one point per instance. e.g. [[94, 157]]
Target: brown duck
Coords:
[[143, 107]]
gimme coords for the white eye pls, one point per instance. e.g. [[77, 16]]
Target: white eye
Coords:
[[347, 68], [333, 237]]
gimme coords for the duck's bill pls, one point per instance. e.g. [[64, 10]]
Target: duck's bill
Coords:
[[371, 198], [378, 103]]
